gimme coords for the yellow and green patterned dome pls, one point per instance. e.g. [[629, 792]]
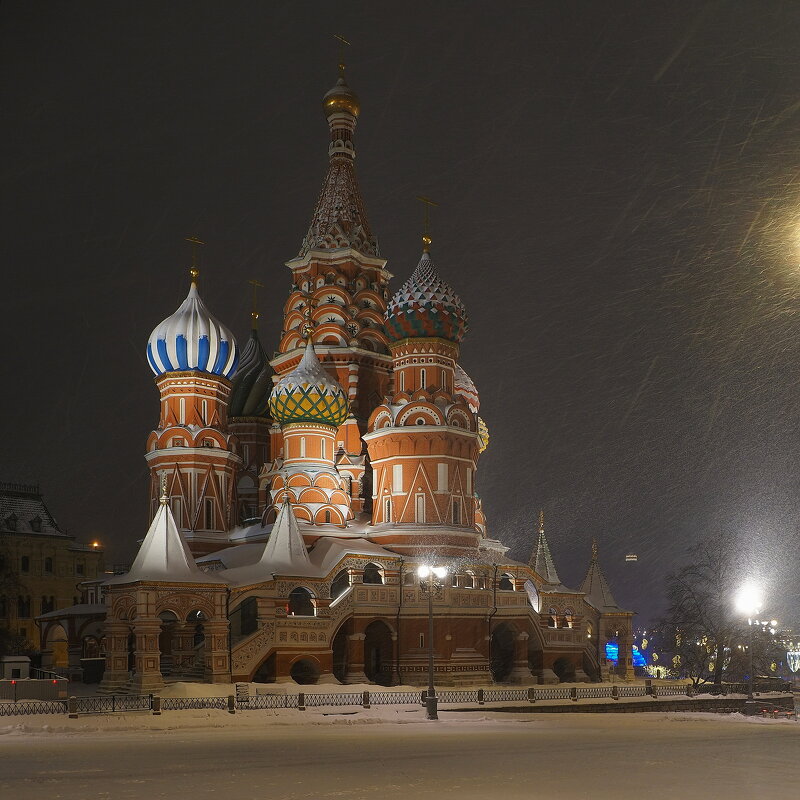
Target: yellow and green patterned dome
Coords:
[[308, 394], [483, 435]]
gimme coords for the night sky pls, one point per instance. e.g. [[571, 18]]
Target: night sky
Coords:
[[619, 189]]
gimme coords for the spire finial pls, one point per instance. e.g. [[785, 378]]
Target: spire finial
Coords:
[[541, 521], [308, 325], [426, 221], [254, 313], [194, 270], [594, 549], [342, 44], [164, 498]]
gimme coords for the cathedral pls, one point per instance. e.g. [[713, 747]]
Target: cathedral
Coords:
[[294, 499]]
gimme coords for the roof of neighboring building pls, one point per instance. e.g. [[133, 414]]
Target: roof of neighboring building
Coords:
[[596, 588], [80, 610], [23, 510]]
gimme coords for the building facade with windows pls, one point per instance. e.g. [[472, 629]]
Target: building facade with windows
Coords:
[[293, 499], [41, 570]]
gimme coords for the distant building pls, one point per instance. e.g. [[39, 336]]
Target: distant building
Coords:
[[41, 568]]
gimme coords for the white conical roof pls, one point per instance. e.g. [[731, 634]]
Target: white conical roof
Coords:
[[595, 586], [192, 339], [164, 555], [543, 560]]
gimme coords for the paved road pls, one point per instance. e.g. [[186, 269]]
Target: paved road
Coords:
[[526, 756]]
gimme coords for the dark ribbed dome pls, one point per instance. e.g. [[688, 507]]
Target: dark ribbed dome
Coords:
[[249, 396]]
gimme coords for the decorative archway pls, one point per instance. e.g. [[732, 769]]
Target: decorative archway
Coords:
[[305, 671]]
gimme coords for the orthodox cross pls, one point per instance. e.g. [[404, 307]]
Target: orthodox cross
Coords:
[[426, 221], [342, 44], [194, 271], [254, 313]]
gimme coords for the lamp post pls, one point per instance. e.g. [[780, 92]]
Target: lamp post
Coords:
[[431, 579], [749, 601]]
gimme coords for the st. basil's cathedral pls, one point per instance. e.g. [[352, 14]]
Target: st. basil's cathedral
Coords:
[[293, 499]]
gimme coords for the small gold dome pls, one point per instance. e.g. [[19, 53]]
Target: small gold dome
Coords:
[[341, 98]]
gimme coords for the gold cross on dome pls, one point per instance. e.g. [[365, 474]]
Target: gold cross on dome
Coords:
[[254, 313], [426, 221], [196, 243], [342, 44]]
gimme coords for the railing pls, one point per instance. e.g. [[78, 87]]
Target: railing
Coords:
[[112, 703], [27, 707], [301, 701]]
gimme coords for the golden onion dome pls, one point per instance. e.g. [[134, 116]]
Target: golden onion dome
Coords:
[[341, 98], [308, 394]]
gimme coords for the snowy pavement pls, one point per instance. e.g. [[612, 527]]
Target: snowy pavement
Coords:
[[282, 755]]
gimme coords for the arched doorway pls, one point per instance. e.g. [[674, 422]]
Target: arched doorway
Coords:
[[501, 659], [195, 621], [304, 671], [300, 603], [266, 673], [378, 649], [339, 647], [168, 623], [564, 669]]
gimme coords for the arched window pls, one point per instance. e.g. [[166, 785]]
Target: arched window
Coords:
[[409, 579], [248, 619], [341, 583], [302, 447], [327, 515], [402, 381], [506, 583], [387, 510], [300, 603], [553, 621], [323, 450], [569, 617], [456, 512], [48, 565], [422, 378], [469, 580], [25, 564], [372, 574]]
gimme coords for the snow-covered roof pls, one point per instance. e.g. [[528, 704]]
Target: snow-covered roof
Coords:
[[80, 610], [164, 555], [23, 510], [542, 561]]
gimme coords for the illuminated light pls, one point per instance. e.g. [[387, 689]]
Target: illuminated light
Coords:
[[638, 658], [749, 599], [774, 623], [612, 651], [95, 544], [440, 572], [423, 570], [631, 557]]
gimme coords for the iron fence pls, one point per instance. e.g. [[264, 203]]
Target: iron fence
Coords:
[[458, 696], [113, 703], [553, 693], [594, 692], [671, 689], [334, 699], [194, 703], [632, 691], [395, 698], [28, 707], [505, 695], [271, 701]]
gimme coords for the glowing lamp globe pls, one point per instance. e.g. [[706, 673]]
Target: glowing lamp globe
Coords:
[[750, 599]]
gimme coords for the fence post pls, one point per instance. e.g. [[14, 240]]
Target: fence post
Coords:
[[480, 697], [113, 702], [365, 700], [689, 690], [423, 695], [72, 707], [614, 692], [531, 694], [573, 693], [648, 686], [231, 704], [301, 701], [156, 705], [654, 690]]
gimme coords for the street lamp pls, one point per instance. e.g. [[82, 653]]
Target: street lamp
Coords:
[[431, 579], [749, 601]]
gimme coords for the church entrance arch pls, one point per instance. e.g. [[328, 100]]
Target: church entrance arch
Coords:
[[339, 647], [378, 665], [502, 652], [169, 621]]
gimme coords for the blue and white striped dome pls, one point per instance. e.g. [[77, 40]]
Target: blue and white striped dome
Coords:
[[192, 338]]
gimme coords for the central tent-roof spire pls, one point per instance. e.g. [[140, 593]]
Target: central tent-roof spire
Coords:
[[340, 220]]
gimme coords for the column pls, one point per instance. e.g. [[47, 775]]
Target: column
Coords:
[[520, 671], [116, 673], [148, 672], [218, 667], [355, 659]]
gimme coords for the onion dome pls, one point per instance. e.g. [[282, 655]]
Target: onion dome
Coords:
[[425, 306], [249, 394], [192, 339], [341, 98], [464, 387], [483, 435], [308, 394]]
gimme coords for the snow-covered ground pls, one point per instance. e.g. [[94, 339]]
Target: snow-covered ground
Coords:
[[349, 754]]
